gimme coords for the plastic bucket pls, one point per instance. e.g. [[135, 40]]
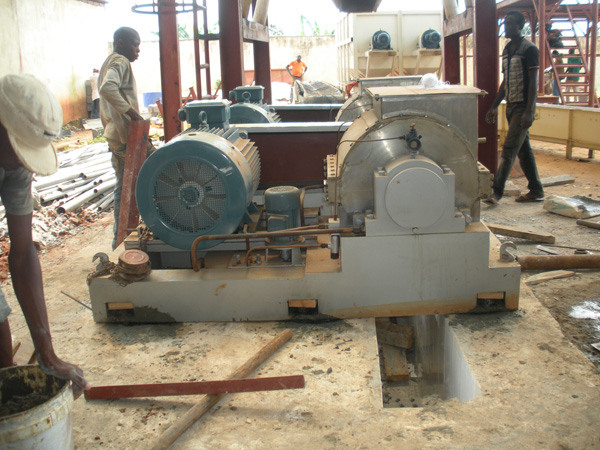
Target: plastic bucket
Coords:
[[44, 421]]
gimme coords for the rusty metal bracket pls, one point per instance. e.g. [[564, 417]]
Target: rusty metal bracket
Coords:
[[104, 261], [505, 254]]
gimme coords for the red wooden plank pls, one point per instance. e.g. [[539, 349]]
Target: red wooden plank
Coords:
[[137, 144], [196, 388]]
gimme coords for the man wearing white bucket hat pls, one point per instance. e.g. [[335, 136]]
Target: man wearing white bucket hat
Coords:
[[30, 119]]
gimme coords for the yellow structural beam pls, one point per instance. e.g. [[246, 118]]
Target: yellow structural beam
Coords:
[[569, 125]]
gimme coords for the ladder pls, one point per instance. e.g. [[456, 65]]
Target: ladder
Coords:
[[569, 65], [205, 37]]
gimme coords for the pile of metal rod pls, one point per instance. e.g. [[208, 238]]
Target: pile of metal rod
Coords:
[[85, 179]]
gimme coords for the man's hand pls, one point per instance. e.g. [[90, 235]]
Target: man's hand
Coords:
[[527, 119], [56, 367], [490, 117], [134, 115]]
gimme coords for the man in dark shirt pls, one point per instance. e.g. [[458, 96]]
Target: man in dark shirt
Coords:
[[520, 64]]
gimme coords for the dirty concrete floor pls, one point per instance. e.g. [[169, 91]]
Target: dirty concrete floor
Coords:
[[537, 389]]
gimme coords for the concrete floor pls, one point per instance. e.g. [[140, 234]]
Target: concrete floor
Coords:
[[537, 389]]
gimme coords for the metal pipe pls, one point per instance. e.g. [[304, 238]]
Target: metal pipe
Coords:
[[106, 202], [71, 185], [56, 179], [263, 235], [51, 196], [260, 12], [558, 262], [98, 173], [83, 198], [269, 247]]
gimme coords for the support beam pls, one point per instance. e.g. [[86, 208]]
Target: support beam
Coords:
[[593, 33], [485, 56], [452, 59], [169, 66], [230, 46], [542, 43], [262, 69]]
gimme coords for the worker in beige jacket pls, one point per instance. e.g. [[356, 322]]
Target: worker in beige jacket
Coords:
[[119, 104]]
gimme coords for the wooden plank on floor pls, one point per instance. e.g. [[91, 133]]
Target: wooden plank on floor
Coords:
[[557, 180], [389, 333], [546, 276], [394, 363], [535, 236]]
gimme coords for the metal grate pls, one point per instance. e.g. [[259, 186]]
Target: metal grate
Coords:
[[189, 196]]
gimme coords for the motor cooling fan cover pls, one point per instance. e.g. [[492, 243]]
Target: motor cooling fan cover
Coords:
[[192, 187]]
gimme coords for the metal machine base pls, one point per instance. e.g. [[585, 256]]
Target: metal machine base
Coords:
[[398, 276]]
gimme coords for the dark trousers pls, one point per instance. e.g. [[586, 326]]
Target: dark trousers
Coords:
[[95, 109], [517, 144]]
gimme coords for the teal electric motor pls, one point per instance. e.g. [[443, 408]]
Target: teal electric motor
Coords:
[[249, 107], [200, 183]]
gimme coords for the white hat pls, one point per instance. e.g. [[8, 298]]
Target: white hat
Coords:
[[33, 119]]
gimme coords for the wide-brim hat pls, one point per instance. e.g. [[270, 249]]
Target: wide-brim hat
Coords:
[[33, 119]]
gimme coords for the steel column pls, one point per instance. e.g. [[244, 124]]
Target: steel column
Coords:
[[542, 43], [262, 69], [452, 59], [230, 46], [592, 65], [262, 65], [485, 50], [169, 66], [197, 52]]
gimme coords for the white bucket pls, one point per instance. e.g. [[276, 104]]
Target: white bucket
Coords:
[[44, 426]]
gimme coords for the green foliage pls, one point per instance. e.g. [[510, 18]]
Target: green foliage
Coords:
[[99, 138], [315, 29], [181, 31], [274, 30]]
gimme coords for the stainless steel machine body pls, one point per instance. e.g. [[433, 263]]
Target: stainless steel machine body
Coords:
[[362, 101]]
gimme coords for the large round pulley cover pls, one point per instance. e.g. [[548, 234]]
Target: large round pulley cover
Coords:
[[197, 184]]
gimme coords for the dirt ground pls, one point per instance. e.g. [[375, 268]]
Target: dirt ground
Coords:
[[560, 295], [190, 352]]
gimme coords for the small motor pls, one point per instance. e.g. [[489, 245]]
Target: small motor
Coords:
[[381, 40], [282, 204], [429, 39]]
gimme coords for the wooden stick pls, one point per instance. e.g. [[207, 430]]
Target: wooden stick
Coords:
[[520, 233], [75, 300], [195, 387], [198, 410], [137, 145]]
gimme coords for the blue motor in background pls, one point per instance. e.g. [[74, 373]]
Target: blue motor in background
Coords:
[[200, 183], [381, 40], [249, 107], [430, 39]]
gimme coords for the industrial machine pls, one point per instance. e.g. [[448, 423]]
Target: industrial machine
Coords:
[[362, 100], [393, 229]]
